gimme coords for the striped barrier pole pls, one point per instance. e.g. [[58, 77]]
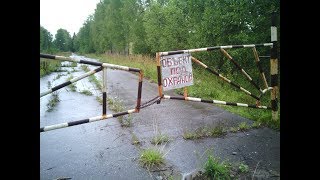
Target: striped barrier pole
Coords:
[[63, 58], [104, 91], [274, 69], [226, 54], [159, 76], [213, 48], [70, 81], [107, 65], [139, 91], [260, 67], [215, 102], [224, 78], [89, 120]]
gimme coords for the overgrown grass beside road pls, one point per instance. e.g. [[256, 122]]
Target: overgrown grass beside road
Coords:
[[206, 86], [48, 66]]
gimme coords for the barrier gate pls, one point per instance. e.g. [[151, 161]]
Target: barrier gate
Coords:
[[174, 70]]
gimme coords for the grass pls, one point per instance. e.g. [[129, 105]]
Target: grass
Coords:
[[135, 139], [74, 64], [216, 131], [48, 66], [86, 92], [85, 68], [151, 157], [117, 106], [190, 135], [234, 129], [243, 168], [256, 124], [160, 138], [243, 126], [99, 99], [95, 81], [146, 63], [58, 76], [54, 100], [206, 86], [74, 69], [213, 169], [72, 86]]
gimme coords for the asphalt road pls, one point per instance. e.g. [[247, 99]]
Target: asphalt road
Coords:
[[104, 149]]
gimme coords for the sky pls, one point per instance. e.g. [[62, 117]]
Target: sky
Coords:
[[65, 14]]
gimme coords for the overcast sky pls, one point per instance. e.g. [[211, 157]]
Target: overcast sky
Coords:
[[65, 14]]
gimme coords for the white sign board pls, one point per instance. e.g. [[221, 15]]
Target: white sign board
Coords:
[[176, 71]]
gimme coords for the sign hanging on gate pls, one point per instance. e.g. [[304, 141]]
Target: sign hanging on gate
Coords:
[[176, 71]]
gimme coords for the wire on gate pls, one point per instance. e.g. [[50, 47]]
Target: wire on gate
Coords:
[[150, 102]]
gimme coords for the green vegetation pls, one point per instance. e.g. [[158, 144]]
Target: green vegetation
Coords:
[[99, 99], [234, 129], [135, 139], [151, 157], [160, 138], [144, 62], [54, 99], [243, 126], [217, 131], [86, 92], [117, 106], [58, 76], [47, 45], [256, 124], [213, 169], [62, 40], [243, 168], [72, 86], [48, 66], [85, 68], [95, 81], [46, 41], [133, 25]]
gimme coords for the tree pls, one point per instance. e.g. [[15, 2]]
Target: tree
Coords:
[[74, 44], [45, 40], [84, 38], [62, 40]]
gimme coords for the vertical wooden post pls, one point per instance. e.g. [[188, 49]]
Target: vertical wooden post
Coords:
[[159, 76], [104, 91], [255, 53], [185, 92], [139, 91], [274, 69]]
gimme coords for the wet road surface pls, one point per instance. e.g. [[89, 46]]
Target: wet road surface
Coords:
[[104, 149]]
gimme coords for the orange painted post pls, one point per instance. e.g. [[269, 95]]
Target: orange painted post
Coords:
[[185, 92], [159, 76]]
